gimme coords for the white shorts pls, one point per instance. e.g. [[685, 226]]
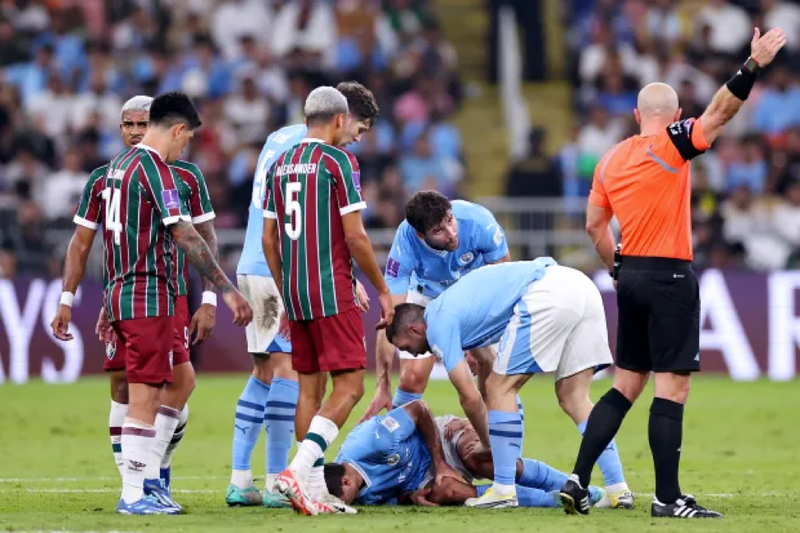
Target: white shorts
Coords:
[[559, 326], [414, 297], [450, 450], [263, 296]]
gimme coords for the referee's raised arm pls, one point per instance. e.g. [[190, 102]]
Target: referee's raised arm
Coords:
[[645, 182]]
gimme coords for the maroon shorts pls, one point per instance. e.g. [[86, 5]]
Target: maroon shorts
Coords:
[[329, 344], [180, 345], [115, 351], [147, 345]]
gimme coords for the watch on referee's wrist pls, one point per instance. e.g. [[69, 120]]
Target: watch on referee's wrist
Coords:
[[751, 66]]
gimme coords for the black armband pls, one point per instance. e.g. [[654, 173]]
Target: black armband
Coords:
[[742, 82]]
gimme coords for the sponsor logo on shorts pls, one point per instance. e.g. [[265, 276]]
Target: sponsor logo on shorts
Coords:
[[171, 198], [136, 465], [392, 268], [111, 350], [390, 423], [393, 459]]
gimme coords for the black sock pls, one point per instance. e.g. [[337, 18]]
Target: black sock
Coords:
[[604, 422], [666, 432]]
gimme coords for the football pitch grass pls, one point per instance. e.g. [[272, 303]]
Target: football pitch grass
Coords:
[[740, 456]]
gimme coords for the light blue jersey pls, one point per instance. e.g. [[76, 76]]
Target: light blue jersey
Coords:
[[413, 265], [389, 454], [475, 311], [252, 260]]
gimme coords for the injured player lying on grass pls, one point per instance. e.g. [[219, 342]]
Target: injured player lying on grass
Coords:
[[407, 457]]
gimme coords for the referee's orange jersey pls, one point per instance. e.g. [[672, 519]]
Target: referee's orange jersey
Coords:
[[646, 182]]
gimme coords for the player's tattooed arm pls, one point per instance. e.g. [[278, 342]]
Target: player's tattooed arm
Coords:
[[77, 254], [207, 232], [199, 255]]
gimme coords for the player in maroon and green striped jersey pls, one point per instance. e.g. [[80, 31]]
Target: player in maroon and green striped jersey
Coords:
[[312, 232], [143, 218], [135, 116]]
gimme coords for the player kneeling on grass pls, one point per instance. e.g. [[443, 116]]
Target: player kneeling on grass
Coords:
[[407, 457], [547, 318]]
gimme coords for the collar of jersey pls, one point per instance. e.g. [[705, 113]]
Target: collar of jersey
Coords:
[[150, 149], [313, 140], [364, 476], [441, 253]]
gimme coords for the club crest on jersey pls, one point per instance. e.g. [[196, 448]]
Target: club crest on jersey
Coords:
[[392, 268], [111, 350], [171, 198], [393, 459], [466, 258]]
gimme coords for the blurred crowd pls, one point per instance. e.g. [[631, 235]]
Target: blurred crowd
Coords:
[[67, 66], [746, 189]]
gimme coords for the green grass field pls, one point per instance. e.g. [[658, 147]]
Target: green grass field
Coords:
[[740, 456]]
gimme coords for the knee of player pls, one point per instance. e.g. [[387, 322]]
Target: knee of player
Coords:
[[261, 368], [119, 388], [413, 380]]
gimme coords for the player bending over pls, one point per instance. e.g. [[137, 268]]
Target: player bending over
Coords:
[[437, 243], [270, 396], [547, 318], [405, 456], [143, 219], [174, 411]]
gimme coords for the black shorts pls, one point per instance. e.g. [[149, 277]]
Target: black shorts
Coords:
[[658, 329]]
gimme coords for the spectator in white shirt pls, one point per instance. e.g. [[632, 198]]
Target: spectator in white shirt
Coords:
[[52, 108], [308, 25], [593, 57], [248, 111], [600, 134], [64, 188], [235, 18], [786, 216], [730, 26], [97, 100], [784, 15]]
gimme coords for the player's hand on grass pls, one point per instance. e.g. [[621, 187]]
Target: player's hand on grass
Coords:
[[242, 313], [763, 48], [60, 323], [105, 333], [387, 310], [362, 298], [420, 497], [382, 400], [203, 322]]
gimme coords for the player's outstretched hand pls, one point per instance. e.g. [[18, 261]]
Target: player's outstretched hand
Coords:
[[763, 48], [382, 400], [203, 322], [387, 310], [420, 497], [362, 298], [60, 323], [105, 333], [242, 313]]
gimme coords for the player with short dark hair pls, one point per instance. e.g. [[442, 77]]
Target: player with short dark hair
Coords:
[[143, 218], [312, 232], [270, 396], [645, 182], [407, 456]]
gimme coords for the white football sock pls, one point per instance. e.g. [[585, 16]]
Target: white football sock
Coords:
[[116, 418], [317, 487], [166, 422], [166, 461], [503, 490], [137, 443], [320, 434], [242, 479], [270, 482]]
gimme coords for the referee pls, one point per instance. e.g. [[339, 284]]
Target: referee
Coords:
[[645, 182]]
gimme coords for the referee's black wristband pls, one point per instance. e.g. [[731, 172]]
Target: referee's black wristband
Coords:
[[742, 82]]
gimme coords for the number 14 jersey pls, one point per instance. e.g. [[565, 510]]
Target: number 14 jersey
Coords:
[[309, 189], [138, 198]]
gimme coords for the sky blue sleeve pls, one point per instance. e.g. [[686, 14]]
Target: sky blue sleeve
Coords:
[[491, 238], [400, 264], [444, 338]]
